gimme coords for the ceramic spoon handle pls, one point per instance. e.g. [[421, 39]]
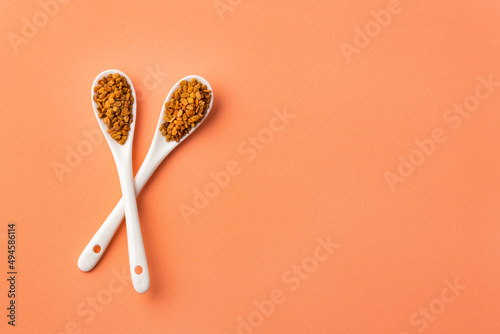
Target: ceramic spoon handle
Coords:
[[101, 239], [136, 253]]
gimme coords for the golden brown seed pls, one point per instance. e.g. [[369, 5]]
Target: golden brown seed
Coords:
[[113, 97], [185, 109]]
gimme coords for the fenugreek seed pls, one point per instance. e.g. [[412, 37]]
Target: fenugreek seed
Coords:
[[113, 97], [185, 109]]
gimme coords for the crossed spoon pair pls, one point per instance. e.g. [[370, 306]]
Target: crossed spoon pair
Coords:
[[127, 206]]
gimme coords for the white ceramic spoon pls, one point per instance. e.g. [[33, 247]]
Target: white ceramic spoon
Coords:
[[158, 151], [123, 160]]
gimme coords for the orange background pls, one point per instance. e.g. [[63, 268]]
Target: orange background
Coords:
[[322, 175]]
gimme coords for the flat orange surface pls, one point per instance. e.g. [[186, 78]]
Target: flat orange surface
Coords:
[[363, 140]]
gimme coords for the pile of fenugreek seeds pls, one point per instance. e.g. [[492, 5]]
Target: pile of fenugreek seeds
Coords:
[[185, 109], [114, 99]]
